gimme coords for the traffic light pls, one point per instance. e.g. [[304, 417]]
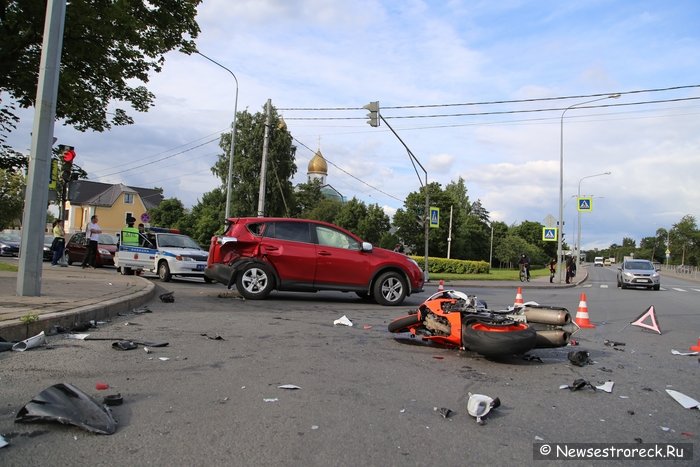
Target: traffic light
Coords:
[[373, 114], [67, 156], [67, 153]]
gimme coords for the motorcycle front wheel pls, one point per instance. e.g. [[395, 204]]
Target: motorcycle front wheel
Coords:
[[494, 340]]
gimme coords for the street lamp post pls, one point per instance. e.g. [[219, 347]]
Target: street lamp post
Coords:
[[561, 177], [578, 223], [233, 138]]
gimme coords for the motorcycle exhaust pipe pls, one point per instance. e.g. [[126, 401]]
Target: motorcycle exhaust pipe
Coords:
[[555, 317], [35, 341], [549, 339]]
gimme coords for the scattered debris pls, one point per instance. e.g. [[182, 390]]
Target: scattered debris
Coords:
[[531, 358], [101, 386], [124, 345], [65, 403], [539, 438], [342, 320], [147, 350], [606, 370], [81, 337], [367, 327], [314, 427], [289, 386], [113, 399], [168, 297], [631, 412], [32, 342], [613, 343], [214, 338], [579, 383], [81, 327], [573, 342], [142, 310], [480, 405], [607, 386], [163, 359], [579, 357], [3, 443], [445, 412], [676, 352], [686, 401], [274, 399]]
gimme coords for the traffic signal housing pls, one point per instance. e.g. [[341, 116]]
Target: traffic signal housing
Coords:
[[373, 114], [68, 154]]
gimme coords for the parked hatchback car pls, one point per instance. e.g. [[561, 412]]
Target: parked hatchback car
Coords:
[[76, 249], [9, 243], [638, 273], [260, 255]]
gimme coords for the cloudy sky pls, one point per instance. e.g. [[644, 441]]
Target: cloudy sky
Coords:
[[455, 67]]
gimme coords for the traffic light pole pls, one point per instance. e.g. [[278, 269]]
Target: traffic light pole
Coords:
[[414, 161], [37, 194]]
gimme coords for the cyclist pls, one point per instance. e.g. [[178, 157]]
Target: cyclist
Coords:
[[552, 269], [525, 265]]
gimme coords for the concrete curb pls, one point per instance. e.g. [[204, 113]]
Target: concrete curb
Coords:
[[15, 330]]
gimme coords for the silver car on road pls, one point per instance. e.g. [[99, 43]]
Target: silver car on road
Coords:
[[638, 273]]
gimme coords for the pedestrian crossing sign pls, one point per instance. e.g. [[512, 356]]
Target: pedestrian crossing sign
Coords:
[[434, 217], [549, 234], [585, 204]]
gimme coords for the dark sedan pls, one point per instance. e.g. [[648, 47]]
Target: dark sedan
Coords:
[[9, 244], [76, 249]]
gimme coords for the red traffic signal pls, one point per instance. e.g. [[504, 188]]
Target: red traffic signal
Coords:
[[68, 154]]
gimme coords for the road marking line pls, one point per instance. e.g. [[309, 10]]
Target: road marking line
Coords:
[[587, 285], [679, 290], [697, 290], [603, 286]]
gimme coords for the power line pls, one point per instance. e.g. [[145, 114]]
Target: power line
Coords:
[[514, 101]]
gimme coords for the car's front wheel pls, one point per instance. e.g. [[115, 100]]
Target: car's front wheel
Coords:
[[164, 271], [390, 289], [255, 281]]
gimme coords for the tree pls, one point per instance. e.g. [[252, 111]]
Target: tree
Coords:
[[306, 197], [109, 47], [351, 214], [168, 213], [511, 247], [685, 240], [206, 217], [12, 188], [247, 161], [375, 225], [326, 210]]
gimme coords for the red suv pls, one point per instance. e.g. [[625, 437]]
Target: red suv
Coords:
[[261, 254]]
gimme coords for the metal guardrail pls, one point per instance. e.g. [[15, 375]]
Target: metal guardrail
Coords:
[[686, 271]]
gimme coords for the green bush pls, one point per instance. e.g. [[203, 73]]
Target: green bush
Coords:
[[453, 266]]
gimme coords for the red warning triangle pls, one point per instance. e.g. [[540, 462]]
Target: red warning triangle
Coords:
[[639, 321]]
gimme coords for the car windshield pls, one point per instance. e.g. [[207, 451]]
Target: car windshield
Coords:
[[176, 241], [107, 239], [9, 237], [640, 265]]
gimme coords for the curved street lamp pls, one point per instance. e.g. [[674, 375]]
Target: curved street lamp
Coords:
[[578, 223], [561, 177], [233, 137]]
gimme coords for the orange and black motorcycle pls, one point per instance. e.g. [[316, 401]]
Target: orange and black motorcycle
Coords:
[[455, 319]]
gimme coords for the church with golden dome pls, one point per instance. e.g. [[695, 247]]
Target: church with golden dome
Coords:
[[318, 170]]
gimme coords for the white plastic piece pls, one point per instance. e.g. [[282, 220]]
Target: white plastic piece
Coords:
[[34, 341], [479, 406], [342, 320], [607, 387], [686, 401]]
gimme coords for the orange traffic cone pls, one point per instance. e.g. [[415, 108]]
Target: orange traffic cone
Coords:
[[582, 314], [441, 286], [519, 303], [696, 348]]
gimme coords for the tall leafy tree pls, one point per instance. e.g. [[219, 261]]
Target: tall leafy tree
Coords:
[[375, 225], [685, 241], [12, 187], [206, 217], [351, 215], [169, 213], [247, 162], [109, 50], [306, 197]]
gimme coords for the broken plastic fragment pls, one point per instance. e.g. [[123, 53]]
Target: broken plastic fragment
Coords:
[[579, 383], [168, 297], [445, 412], [607, 386], [342, 320], [480, 405], [81, 337], [686, 401], [3, 443], [579, 357], [612, 343], [32, 342], [163, 359], [676, 352], [274, 399], [101, 386], [289, 386], [124, 345], [65, 403]]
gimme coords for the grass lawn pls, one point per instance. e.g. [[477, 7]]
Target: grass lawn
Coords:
[[8, 267], [493, 275]]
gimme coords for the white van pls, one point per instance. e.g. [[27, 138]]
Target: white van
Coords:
[[598, 261]]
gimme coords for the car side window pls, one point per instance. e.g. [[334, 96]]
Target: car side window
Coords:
[[293, 231], [331, 237]]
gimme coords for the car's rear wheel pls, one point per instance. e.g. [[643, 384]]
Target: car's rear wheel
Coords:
[[66, 255], [390, 289], [255, 281], [164, 271]]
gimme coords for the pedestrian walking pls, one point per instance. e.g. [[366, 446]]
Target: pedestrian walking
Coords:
[[59, 242], [92, 234], [552, 269]]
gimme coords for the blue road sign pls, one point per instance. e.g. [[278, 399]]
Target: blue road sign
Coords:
[[434, 217], [585, 204], [549, 234]]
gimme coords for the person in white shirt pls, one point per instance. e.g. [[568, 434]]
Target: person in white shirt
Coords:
[[92, 233]]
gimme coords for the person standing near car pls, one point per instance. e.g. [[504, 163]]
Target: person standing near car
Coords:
[[130, 234], [59, 242], [92, 235]]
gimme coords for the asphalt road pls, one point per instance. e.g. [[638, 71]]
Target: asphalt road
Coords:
[[365, 397]]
